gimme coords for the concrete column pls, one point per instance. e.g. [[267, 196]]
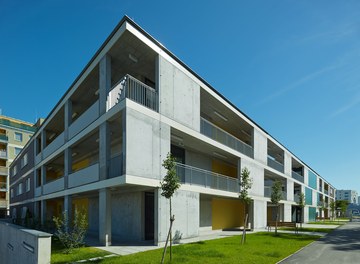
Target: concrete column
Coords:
[[105, 217], [287, 212], [43, 177], [43, 141], [104, 150], [67, 118], [260, 214], [42, 211], [124, 142], [67, 166], [287, 164], [68, 207], [104, 82], [290, 190]]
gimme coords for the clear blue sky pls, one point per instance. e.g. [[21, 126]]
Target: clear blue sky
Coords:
[[292, 66]]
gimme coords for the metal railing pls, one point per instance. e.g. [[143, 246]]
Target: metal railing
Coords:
[[326, 192], [275, 164], [3, 137], [3, 153], [267, 193], [195, 176], [212, 131], [297, 176], [133, 89]]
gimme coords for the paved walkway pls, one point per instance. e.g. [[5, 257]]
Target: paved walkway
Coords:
[[340, 246], [122, 249]]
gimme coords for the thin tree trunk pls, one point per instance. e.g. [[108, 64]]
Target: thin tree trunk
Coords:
[[171, 221], [276, 220], [244, 230], [167, 240]]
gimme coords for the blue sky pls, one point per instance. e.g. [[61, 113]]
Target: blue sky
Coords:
[[292, 66]]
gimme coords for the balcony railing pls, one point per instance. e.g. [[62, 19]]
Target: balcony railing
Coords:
[[210, 130], [297, 176], [195, 176], [133, 89], [3, 170], [3, 154], [3, 186], [3, 137], [275, 164], [296, 197], [267, 193], [3, 203], [326, 192]]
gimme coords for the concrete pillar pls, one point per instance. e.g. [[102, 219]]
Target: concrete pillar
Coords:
[[67, 118], [104, 150], [289, 190], [42, 212], [67, 166], [104, 82], [287, 164], [105, 217], [260, 214], [68, 207], [287, 213], [306, 214], [124, 142]]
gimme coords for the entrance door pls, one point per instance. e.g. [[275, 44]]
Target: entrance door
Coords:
[[149, 216]]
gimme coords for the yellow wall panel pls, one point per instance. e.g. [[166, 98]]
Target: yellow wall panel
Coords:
[[224, 168], [227, 213], [80, 165]]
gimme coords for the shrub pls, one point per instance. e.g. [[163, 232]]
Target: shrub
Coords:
[[71, 237]]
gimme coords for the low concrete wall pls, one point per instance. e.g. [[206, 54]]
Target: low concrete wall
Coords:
[[20, 245]]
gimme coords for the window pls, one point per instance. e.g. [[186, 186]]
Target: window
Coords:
[[17, 151], [20, 188], [28, 182], [18, 136], [14, 170], [24, 160], [12, 193]]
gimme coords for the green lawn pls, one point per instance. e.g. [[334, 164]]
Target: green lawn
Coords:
[[259, 248], [57, 255], [328, 223], [309, 229]]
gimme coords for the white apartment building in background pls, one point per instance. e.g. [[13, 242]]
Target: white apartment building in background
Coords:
[[102, 146], [347, 195]]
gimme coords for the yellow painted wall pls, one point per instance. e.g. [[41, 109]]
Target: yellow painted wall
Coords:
[[80, 165], [80, 205], [224, 168], [226, 213], [54, 208]]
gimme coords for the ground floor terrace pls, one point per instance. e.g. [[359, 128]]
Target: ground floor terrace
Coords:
[[133, 214]]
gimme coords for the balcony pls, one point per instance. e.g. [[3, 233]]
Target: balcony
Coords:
[[210, 130], [267, 193], [84, 176], [3, 186], [195, 176], [3, 154], [296, 197], [54, 186], [3, 171], [131, 88], [3, 203], [326, 192], [275, 165], [297, 176], [3, 137]]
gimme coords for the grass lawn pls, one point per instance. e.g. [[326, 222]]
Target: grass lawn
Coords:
[[309, 229], [328, 223], [259, 248], [57, 255]]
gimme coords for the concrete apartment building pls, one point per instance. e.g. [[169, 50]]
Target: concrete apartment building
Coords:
[[101, 150], [14, 134], [347, 195]]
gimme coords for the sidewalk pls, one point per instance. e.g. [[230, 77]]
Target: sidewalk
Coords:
[[122, 249]]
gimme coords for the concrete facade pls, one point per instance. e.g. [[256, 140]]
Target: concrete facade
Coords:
[[101, 150]]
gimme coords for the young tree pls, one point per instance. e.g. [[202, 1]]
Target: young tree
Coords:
[[245, 185], [333, 208], [71, 235], [276, 195], [301, 204], [342, 204], [169, 185]]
